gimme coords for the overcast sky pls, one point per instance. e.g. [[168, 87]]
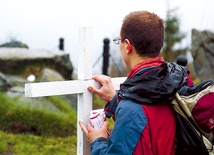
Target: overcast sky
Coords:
[[40, 23]]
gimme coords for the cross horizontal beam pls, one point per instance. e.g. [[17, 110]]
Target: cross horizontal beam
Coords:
[[65, 87]]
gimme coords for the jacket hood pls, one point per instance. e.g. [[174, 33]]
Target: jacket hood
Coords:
[[154, 85]]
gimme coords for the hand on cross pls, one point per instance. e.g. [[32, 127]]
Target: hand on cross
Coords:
[[106, 91]]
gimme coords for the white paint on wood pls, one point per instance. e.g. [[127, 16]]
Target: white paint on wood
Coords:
[[85, 51], [55, 88], [84, 100]]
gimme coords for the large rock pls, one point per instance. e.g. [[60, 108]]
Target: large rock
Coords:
[[3, 82], [14, 44], [50, 75], [24, 62], [203, 53]]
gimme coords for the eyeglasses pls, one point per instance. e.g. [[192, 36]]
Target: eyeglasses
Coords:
[[116, 40]]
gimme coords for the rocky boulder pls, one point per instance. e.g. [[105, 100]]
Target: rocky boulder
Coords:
[[14, 44], [203, 53], [50, 75], [24, 62]]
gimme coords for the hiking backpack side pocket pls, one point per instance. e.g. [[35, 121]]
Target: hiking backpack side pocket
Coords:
[[194, 106]]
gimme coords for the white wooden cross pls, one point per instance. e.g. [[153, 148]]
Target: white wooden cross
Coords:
[[78, 87]]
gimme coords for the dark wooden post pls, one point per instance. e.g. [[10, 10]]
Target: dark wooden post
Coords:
[[182, 60], [61, 44], [106, 42]]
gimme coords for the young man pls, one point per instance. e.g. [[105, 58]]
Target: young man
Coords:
[[144, 119]]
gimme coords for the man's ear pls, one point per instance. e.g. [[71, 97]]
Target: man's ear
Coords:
[[129, 46]]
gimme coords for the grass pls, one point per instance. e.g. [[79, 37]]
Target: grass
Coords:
[[37, 116], [43, 126], [37, 126], [27, 144]]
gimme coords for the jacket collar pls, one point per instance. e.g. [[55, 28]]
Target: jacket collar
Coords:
[[145, 64], [153, 85]]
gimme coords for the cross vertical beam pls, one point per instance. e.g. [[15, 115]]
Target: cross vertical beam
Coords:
[[84, 99]]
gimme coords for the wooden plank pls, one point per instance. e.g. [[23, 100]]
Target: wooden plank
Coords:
[[55, 88], [84, 99]]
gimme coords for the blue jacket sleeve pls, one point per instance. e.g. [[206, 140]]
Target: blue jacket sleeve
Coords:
[[129, 124], [110, 107]]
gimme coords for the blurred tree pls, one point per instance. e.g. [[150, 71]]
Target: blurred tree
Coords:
[[117, 67], [173, 35]]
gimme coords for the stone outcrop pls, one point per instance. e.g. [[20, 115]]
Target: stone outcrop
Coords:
[[50, 75], [13, 44], [203, 53], [3, 82], [24, 62]]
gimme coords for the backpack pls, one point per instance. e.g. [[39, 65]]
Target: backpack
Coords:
[[194, 106]]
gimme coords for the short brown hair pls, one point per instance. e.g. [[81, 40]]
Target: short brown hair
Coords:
[[145, 31]]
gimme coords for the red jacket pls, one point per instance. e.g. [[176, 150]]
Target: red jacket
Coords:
[[144, 119]]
